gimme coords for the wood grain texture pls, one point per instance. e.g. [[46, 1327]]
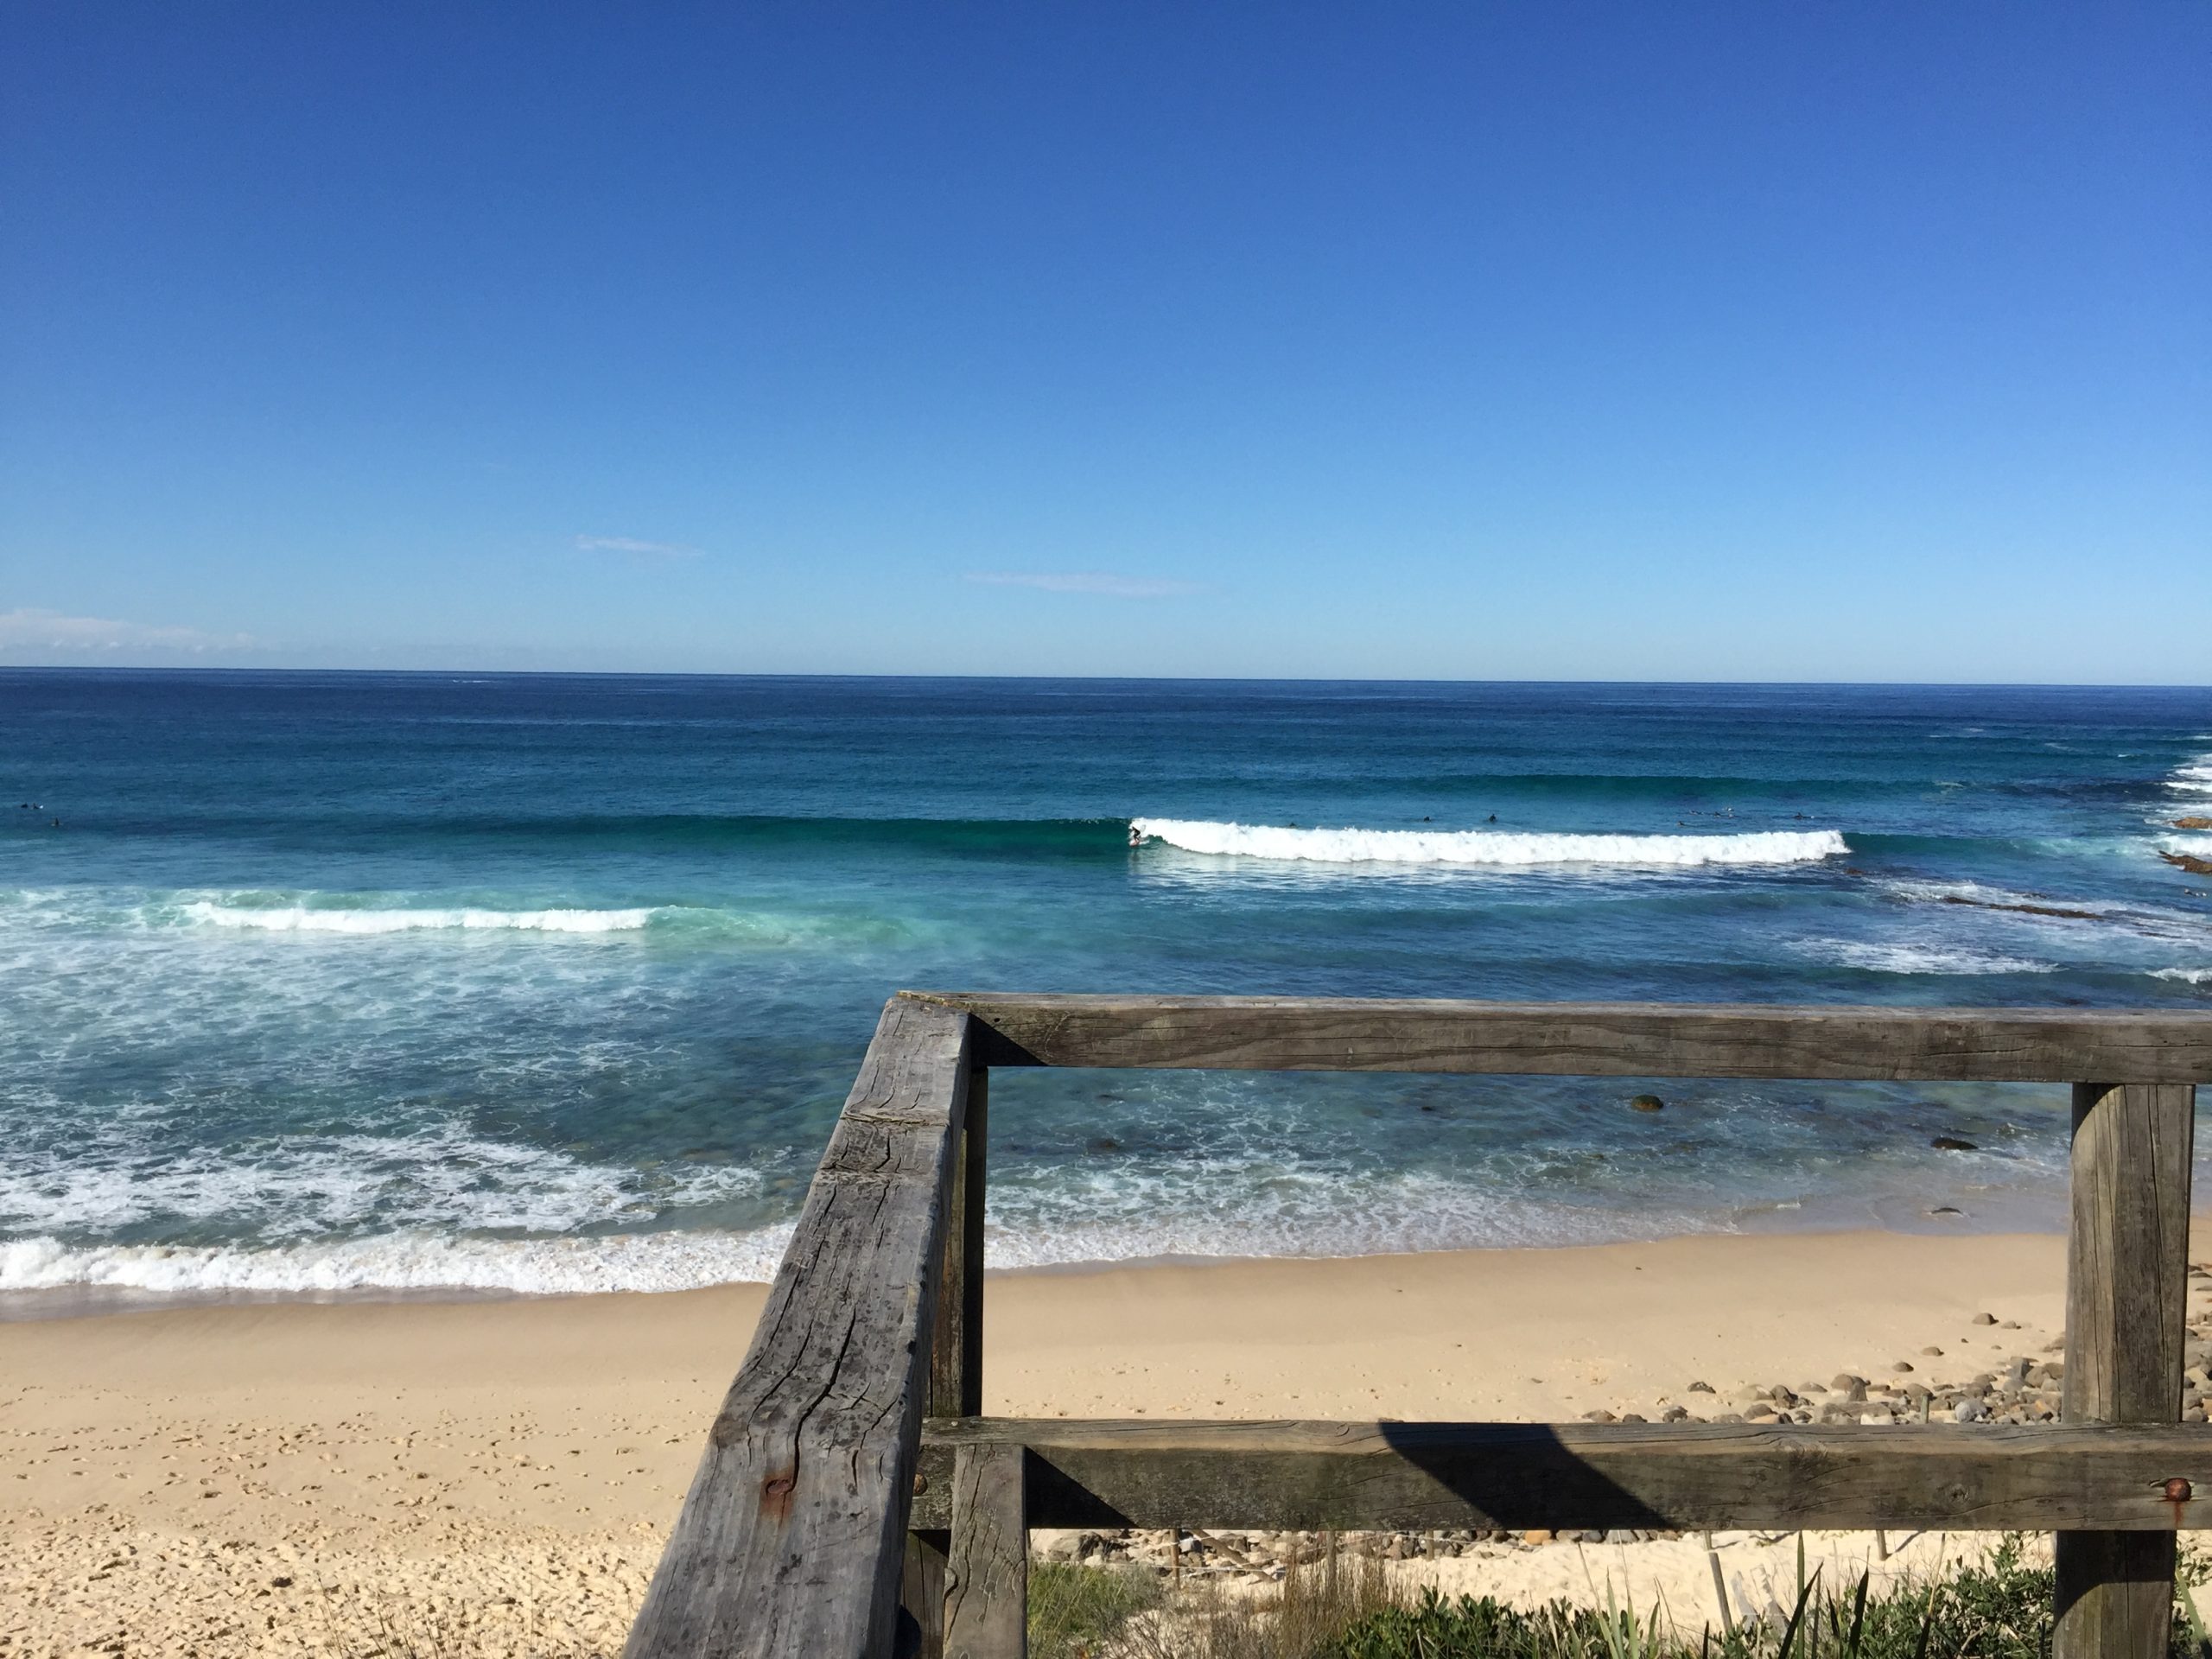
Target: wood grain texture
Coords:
[[793, 1539], [987, 1594], [1588, 1039], [2126, 1305], [1413, 1477]]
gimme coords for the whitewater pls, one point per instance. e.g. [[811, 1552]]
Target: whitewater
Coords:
[[1491, 848], [301, 918]]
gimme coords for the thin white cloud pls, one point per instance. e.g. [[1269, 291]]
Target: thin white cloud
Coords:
[[1084, 581], [36, 630], [634, 548]]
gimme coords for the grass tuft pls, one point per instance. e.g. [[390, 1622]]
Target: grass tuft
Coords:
[[1342, 1607], [1076, 1612]]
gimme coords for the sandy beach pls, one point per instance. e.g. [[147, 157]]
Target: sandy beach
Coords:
[[295, 1478]]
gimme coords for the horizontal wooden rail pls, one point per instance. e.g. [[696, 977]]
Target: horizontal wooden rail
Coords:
[[1414, 1477], [1299, 1034]]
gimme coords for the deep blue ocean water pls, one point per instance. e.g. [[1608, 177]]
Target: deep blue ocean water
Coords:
[[329, 981]]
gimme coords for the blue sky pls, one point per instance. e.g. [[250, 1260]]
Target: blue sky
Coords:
[[1814, 342]]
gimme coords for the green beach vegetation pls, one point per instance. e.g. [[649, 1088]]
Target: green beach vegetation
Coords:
[[1344, 1608]]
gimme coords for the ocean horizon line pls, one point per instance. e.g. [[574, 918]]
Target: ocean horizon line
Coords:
[[369, 672]]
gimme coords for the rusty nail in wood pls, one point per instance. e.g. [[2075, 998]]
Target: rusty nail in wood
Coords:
[[2178, 1490]]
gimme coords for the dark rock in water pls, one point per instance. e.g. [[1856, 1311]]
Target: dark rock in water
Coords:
[[2193, 824], [2024, 910], [1952, 1143], [1947, 1209], [1649, 1103], [1105, 1143], [2188, 862]]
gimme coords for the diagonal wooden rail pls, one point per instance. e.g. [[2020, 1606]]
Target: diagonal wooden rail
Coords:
[[854, 1504]]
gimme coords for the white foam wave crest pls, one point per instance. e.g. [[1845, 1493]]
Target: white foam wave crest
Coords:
[[1901, 957], [1298, 1219], [302, 918], [2193, 780], [296, 1186], [644, 1261], [2186, 976], [1489, 848]]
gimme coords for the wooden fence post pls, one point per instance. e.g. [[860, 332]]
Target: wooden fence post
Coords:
[[2127, 1289], [956, 1351], [986, 1608], [956, 1361]]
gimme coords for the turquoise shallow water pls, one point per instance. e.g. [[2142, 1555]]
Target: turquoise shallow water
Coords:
[[360, 982]]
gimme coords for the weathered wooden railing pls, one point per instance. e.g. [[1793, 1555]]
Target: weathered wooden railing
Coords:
[[854, 1504]]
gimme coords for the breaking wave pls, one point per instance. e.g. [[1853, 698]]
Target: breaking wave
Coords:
[[1297, 1214], [339, 915], [2193, 780], [290, 1186], [1502, 849], [1881, 956], [304, 919], [669, 1260]]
